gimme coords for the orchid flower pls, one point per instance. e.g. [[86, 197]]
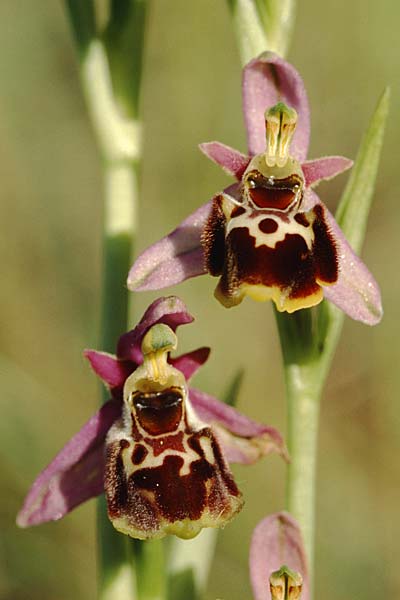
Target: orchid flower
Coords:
[[158, 448], [268, 235]]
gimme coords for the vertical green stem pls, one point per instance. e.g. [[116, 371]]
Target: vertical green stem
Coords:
[[304, 374], [302, 438], [120, 201], [308, 341], [149, 563]]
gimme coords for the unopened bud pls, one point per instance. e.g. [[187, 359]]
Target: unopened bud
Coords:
[[285, 584]]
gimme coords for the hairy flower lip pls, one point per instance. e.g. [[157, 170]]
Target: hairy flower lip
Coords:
[[179, 256], [76, 473]]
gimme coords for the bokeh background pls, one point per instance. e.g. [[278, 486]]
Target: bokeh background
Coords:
[[51, 205]]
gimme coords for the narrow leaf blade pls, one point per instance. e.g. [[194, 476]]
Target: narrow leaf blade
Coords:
[[352, 213]]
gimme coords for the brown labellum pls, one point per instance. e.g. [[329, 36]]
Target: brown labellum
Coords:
[[271, 249], [165, 473]]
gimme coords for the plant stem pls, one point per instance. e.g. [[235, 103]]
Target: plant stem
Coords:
[[149, 563], [302, 437], [119, 225], [304, 370]]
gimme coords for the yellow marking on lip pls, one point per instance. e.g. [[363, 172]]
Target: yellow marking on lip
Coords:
[[262, 293]]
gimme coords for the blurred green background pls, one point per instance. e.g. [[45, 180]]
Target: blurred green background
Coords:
[[51, 205]]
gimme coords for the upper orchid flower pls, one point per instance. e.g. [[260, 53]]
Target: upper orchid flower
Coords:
[[157, 448], [267, 236]]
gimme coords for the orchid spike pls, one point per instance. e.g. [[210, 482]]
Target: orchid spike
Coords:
[[153, 429], [268, 236]]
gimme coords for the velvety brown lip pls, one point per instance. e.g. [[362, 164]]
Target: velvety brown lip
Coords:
[[289, 266]]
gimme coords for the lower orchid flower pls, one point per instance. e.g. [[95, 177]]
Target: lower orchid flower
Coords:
[[159, 449], [267, 236]]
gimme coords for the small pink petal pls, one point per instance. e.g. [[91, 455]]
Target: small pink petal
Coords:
[[276, 541], [75, 474], [232, 161], [174, 258], [324, 168], [171, 311], [242, 439], [190, 362], [267, 80], [107, 366], [356, 292]]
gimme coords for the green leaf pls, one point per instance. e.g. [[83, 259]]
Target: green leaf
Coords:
[[354, 207], [352, 216]]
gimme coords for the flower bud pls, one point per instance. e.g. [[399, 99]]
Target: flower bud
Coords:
[[285, 584]]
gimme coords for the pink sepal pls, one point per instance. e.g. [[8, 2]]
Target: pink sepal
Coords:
[[171, 311], [75, 474], [356, 292], [174, 258], [267, 80]]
